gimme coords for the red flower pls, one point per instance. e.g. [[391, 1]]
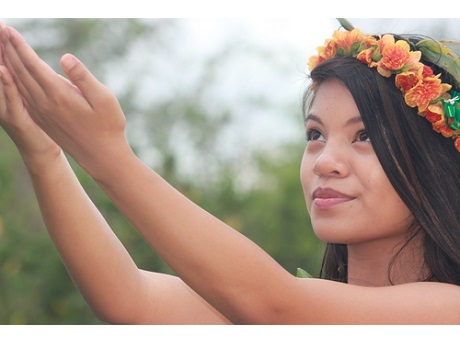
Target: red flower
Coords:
[[427, 72], [457, 143], [432, 117], [407, 80]]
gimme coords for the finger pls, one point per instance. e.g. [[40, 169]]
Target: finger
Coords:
[[2, 94], [37, 82], [1, 46], [33, 76], [11, 105], [2, 26], [36, 78], [27, 85], [1, 55], [11, 92], [5, 91], [89, 86]]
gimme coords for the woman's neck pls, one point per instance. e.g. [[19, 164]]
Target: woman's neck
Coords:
[[386, 262]]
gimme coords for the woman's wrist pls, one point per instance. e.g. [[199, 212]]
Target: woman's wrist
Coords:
[[108, 165], [38, 163]]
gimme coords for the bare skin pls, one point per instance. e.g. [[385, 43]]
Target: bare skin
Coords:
[[361, 208], [224, 277]]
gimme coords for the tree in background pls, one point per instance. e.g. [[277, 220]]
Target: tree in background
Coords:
[[191, 135]]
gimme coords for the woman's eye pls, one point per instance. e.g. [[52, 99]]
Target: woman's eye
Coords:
[[313, 134], [362, 136]]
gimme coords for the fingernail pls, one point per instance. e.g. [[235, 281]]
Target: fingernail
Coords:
[[69, 61]]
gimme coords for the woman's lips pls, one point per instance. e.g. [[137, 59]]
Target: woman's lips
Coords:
[[324, 198]]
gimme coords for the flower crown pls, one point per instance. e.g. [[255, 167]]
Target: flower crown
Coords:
[[421, 88]]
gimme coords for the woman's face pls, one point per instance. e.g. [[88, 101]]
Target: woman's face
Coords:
[[348, 195]]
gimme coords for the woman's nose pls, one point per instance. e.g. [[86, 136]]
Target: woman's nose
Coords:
[[332, 161]]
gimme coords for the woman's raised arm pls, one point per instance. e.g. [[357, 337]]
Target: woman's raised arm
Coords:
[[85, 119], [102, 269]]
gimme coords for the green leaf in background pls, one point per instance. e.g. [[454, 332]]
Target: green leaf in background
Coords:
[[301, 273]]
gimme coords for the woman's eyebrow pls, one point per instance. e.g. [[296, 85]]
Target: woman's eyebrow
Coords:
[[352, 121], [313, 118]]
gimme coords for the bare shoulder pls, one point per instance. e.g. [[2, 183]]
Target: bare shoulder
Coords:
[[328, 302]]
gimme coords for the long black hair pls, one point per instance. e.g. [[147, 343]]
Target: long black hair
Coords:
[[422, 166]]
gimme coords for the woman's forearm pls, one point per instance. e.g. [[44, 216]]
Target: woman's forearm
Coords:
[[96, 260], [222, 265]]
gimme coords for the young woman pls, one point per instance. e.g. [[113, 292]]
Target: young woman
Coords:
[[380, 185]]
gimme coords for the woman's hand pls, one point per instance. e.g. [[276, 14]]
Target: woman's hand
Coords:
[[35, 147], [82, 116]]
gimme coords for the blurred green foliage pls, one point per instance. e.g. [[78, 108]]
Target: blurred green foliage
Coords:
[[34, 285]]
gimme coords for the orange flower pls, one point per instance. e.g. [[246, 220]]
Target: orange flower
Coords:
[[385, 41], [346, 39], [436, 108], [441, 127], [329, 49], [422, 94], [431, 116], [427, 72], [435, 114], [366, 56], [407, 80], [370, 41], [396, 56], [314, 61], [457, 143]]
